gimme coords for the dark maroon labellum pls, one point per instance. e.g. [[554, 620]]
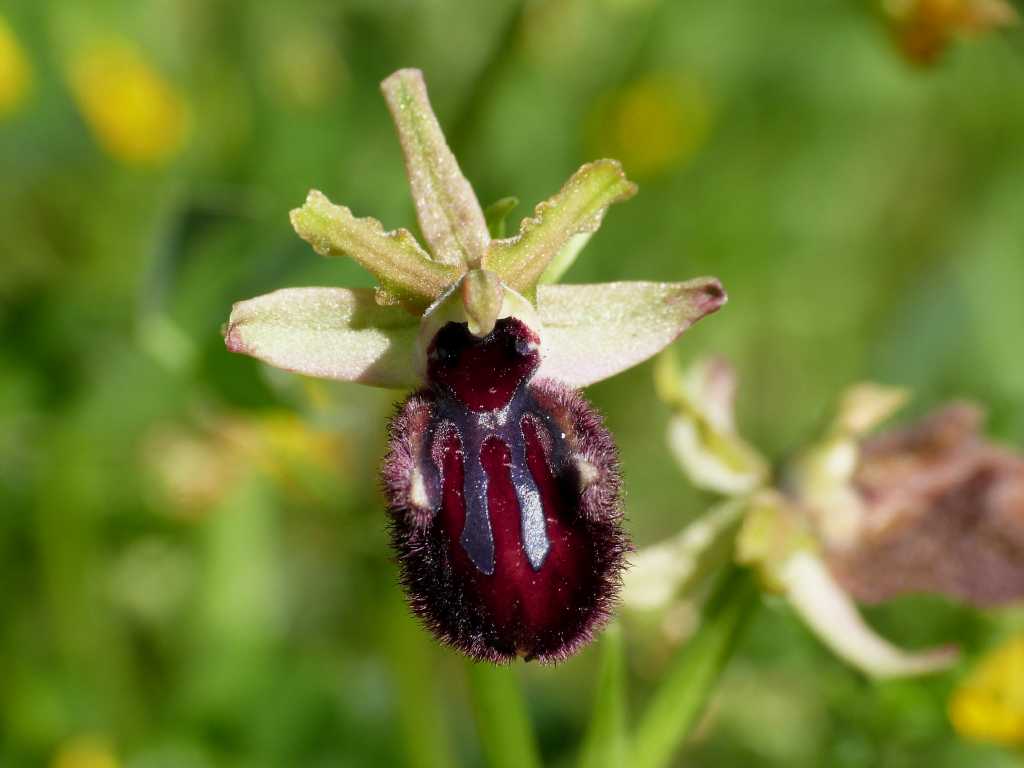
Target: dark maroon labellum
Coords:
[[504, 500]]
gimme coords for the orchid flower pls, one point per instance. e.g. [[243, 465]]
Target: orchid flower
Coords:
[[781, 532], [502, 482]]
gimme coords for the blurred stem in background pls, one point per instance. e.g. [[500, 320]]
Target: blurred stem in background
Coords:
[[679, 701], [501, 717], [671, 715], [604, 745], [413, 658], [478, 95]]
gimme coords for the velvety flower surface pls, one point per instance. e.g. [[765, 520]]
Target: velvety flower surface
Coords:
[[502, 482]]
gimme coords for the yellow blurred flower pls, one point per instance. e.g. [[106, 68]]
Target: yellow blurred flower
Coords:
[[280, 444], [86, 752], [923, 29], [15, 72], [989, 704], [652, 125], [135, 114]]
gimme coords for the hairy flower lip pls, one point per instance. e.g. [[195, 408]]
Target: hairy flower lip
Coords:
[[500, 617]]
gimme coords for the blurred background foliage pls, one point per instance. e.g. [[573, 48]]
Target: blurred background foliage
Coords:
[[193, 560]]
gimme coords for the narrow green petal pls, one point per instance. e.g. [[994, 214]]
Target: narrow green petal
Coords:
[[578, 208], [592, 332], [406, 272], [449, 214], [331, 333]]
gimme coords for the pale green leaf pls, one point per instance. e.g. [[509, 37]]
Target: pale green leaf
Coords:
[[332, 333], [594, 331], [405, 271], [578, 208], [446, 206]]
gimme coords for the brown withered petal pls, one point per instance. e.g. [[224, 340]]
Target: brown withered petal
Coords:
[[943, 512]]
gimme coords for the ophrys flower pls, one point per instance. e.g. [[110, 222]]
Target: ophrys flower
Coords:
[[502, 482]]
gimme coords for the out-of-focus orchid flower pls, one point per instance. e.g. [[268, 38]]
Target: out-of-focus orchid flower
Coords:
[[782, 533], [659, 573], [822, 475], [924, 29], [502, 481], [940, 510], [702, 431]]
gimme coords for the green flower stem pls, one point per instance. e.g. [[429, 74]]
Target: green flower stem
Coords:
[[679, 700], [605, 743], [501, 717], [421, 716]]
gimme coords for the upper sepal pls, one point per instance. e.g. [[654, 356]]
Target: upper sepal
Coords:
[[447, 209]]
